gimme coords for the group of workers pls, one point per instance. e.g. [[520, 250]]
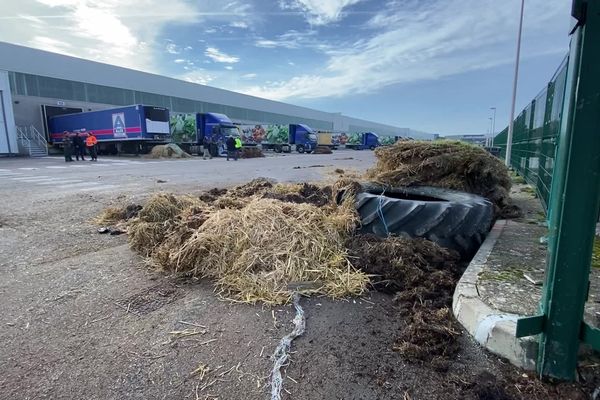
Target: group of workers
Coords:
[[76, 143], [233, 146]]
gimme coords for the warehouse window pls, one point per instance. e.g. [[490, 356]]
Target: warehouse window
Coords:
[[60, 88], [31, 85], [109, 95], [152, 99], [183, 105]]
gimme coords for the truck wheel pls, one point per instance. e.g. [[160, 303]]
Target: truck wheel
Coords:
[[277, 149], [455, 220], [300, 149], [372, 147]]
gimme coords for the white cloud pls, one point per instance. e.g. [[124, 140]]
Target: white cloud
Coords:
[[239, 24], [110, 31], [218, 56], [320, 12], [199, 77], [431, 41], [249, 76], [294, 40], [228, 67], [172, 48], [179, 61]]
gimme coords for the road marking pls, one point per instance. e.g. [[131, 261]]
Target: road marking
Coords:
[[56, 167], [79, 184], [28, 169], [34, 180], [98, 188], [8, 175], [4, 170], [31, 177], [58, 182], [80, 166]]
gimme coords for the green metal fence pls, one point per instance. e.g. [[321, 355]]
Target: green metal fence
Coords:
[[535, 135]]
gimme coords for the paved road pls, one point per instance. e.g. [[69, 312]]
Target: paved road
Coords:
[[52, 177]]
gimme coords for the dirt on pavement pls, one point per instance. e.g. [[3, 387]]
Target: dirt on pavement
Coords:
[[84, 318]]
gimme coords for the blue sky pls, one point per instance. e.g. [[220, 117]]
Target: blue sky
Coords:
[[431, 65]]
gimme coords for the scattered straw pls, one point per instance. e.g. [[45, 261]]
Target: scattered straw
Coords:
[[253, 248], [170, 150]]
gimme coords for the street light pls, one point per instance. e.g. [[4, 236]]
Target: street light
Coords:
[[493, 126], [490, 129], [514, 94]]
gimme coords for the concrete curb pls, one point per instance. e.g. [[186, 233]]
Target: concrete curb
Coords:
[[493, 329]]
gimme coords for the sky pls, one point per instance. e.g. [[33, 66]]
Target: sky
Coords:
[[430, 65]]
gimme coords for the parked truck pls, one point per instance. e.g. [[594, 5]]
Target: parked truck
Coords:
[[362, 141], [132, 129], [327, 139], [189, 131], [280, 138]]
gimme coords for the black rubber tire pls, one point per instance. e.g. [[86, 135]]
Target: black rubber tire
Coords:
[[277, 149], [300, 149], [455, 220]]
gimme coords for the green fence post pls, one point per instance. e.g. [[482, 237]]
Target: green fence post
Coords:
[[574, 203]]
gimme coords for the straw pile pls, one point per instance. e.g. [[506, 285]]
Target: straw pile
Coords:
[[170, 150], [259, 249], [251, 152], [449, 164], [322, 150]]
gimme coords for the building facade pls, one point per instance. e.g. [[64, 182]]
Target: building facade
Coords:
[[35, 82]]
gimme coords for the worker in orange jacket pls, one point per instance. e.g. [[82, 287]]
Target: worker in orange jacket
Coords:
[[91, 142]]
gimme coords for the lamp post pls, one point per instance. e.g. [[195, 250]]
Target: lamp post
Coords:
[[493, 126], [514, 94]]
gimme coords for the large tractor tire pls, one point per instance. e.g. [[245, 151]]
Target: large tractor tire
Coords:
[[452, 219]]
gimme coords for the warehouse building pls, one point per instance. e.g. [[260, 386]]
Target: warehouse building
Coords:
[[36, 84]]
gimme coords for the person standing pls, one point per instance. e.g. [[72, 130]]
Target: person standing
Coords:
[[231, 151], [238, 147], [79, 147], [206, 143], [68, 146], [91, 142]]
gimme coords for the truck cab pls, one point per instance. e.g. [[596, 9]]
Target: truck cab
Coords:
[[218, 127], [363, 141], [303, 137]]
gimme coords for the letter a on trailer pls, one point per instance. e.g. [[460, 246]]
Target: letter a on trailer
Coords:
[[119, 125]]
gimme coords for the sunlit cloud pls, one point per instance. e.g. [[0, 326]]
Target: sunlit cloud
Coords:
[[218, 56]]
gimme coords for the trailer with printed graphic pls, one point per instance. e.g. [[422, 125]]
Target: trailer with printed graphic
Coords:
[[280, 138], [133, 128], [188, 130], [363, 141]]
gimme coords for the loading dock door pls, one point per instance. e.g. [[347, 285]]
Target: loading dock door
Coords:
[[51, 111]]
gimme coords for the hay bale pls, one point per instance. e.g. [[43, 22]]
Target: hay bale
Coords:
[[114, 215], [251, 152], [322, 150], [257, 252], [449, 164], [300, 193], [170, 150]]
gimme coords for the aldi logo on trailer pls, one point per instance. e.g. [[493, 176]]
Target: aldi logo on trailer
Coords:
[[118, 120]]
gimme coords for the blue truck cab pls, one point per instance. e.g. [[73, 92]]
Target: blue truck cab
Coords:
[[368, 140], [303, 137], [218, 127]]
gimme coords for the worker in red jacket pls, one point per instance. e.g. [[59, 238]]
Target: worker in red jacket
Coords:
[[91, 142]]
